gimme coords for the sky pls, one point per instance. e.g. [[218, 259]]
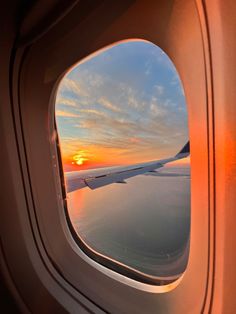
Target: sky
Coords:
[[124, 105]]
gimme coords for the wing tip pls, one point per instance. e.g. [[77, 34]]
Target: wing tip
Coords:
[[185, 149]]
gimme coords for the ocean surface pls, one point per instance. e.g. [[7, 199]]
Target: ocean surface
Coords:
[[144, 224]]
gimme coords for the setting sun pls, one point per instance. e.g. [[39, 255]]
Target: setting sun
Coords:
[[79, 159]]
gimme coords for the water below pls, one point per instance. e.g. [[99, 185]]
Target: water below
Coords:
[[144, 224]]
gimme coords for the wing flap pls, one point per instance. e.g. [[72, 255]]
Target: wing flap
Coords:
[[167, 174], [73, 184], [100, 181]]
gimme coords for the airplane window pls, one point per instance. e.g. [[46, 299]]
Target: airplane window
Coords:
[[122, 122]]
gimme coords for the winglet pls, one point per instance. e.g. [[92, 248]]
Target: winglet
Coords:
[[185, 150]]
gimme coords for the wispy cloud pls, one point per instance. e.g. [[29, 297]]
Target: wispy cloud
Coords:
[[72, 86], [159, 89], [108, 105], [93, 112], [66, 102], [66, 114], [120, 115]]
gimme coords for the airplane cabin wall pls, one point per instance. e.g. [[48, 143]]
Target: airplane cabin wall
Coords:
[[200, 38]]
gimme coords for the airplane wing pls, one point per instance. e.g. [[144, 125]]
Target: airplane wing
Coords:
[[96, 178], [167, 174]]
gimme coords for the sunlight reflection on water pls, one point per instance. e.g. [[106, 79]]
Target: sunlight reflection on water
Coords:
[[141, 224]]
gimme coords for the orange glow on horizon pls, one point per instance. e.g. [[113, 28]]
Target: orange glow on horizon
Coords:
[[181, 162], [86, 159]]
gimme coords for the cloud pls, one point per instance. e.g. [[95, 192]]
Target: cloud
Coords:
[[66, 114], [95, 80], [155, 110], [72, 86], [133, 102], [104, 129], [66, 101], [108, 105], [93, 112], [159, 89]]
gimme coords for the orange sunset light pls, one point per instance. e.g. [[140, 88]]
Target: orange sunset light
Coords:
[[82, 159], [78, 159], [101, 157]]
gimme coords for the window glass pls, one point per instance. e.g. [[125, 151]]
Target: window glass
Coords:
[[116, 112]]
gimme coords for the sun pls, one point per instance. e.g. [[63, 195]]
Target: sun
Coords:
[[79, 159]]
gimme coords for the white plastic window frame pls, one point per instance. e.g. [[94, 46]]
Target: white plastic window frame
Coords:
[[42, 68]]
